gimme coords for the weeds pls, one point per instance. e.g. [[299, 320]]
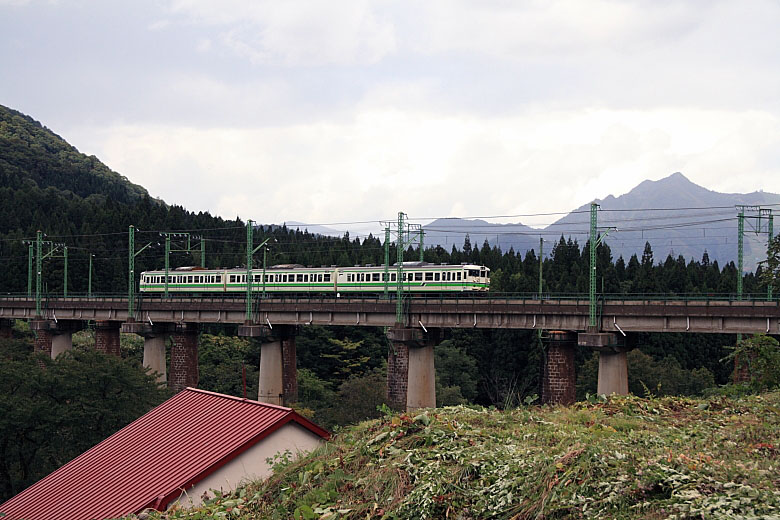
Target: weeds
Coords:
[[617, 457]]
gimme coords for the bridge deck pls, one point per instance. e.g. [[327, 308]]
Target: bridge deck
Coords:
[[615, 315]]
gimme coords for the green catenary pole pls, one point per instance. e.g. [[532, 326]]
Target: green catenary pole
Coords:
[[65, 274], [203, 252], [387, 260], [249, 234], [29, 270], [422, 247], [541, 257], [771, 231], [38, 267], [592, 293], [130, 272], [167, 260], [399, 309], [265, 254], [740, 251], [89, 282]]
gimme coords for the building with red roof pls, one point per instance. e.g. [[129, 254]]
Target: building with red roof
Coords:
[[193, 442]]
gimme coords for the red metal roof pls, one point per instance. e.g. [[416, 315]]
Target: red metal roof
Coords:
[[149, 461]]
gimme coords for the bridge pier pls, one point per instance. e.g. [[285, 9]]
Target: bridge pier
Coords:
[[411, 374], [154, 356], [6, 329], [278, 378], [559, 379], [54, 338], [613, 365], [184, 357], [155, 336], [107, 337]]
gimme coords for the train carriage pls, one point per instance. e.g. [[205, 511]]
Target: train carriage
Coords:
[[417, 277]]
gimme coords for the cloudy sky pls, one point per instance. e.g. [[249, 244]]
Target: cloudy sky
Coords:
[[330, 112]]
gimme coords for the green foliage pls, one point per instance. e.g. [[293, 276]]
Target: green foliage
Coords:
[[770, 268], [759, 356], [647, 375], [457, 375], [223, 361], [53, 410], [618, 457]]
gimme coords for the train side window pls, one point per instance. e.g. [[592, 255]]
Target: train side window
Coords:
[[327, 277], [404, 277], [319, 277], [437, 277], [392, 277], [299, 278], [418, 277], [375, 277], [428, 277], [459, 273], [284, 278]]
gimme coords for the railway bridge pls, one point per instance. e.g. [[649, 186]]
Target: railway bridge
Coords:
[[411, 376]]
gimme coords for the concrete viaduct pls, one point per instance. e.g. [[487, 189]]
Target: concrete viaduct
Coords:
[[411, 376]]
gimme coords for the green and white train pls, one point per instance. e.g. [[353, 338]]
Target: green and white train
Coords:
[[417, 277]]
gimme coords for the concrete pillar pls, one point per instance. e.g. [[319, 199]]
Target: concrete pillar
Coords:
[[6, 329], [270, 385], [411, 375], [559, 378], [421, 383], [61, 342], [278, 378], [154, 356], [613, 373], [107, 337], [184, 358]]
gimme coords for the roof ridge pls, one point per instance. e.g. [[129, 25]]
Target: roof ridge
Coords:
[[239, 399]]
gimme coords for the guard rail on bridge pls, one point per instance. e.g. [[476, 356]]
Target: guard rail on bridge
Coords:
[[712, 313]]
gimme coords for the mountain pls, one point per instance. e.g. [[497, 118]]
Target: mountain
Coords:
[[30, 153], [673, 214], [447, 232], [660, 213], [314, 229]]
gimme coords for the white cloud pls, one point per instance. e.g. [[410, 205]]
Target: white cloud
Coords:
[[385, 160], [296, 32]]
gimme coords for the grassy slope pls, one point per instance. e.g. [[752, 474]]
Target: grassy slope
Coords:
[[624, 458]]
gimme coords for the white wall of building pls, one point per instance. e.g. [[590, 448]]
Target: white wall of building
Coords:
[[251, 465]]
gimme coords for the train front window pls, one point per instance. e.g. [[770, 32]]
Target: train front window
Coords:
[[474, 272]]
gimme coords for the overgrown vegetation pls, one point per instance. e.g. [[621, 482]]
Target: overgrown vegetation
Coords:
[[53, 410], [619, 457]]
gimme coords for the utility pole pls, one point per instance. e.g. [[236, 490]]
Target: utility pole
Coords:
[[89, 282], [29, 269], [592, 250], [39, 257], [541, 258], [249, 252], [132, 253], [170, 235], [387, 260], [65, 274], [406, 234], [757, 216], [595, 240]]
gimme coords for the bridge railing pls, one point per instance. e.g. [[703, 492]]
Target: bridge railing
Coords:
[[544, 298]]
